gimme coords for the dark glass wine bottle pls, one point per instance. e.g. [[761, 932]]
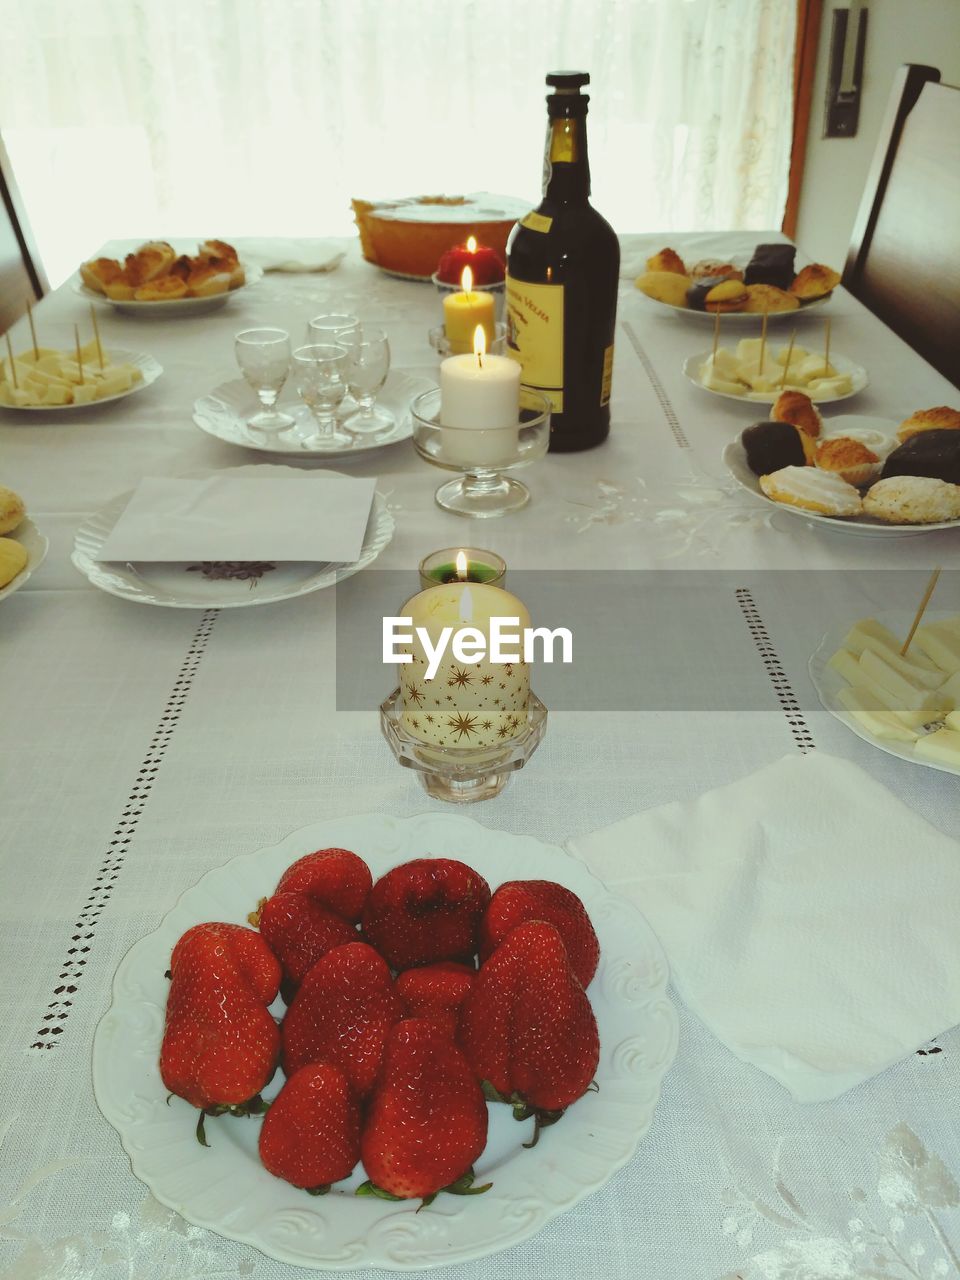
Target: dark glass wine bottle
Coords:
[[563, 265]]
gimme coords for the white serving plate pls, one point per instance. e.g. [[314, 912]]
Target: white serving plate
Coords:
[[828, 683], [226, 1189], [150, 371], [175, 307], [224, 413], [36, 545], [175, 585], [863, 526], [735, 318], [693, 365]]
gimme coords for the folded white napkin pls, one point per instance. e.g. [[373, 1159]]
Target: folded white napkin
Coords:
[[810, 918], [289, 254], [229, 517]]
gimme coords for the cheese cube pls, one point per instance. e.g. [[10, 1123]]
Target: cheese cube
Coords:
[[714, 382], [940, 645], [909, 694], [748, 349], [85, 394], [814, 366], [830, 388], [895, 726], [796, 356]]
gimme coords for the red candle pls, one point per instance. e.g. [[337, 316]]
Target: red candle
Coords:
[[485, 263]]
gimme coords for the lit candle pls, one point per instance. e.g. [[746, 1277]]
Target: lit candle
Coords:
[[463, 311], [462, 564], [480, 398], [479, 704]]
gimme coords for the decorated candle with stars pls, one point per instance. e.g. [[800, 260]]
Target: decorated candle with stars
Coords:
[[467, 704]]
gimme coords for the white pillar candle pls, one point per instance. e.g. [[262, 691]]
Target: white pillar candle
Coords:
[[477, 704], [480, 400]]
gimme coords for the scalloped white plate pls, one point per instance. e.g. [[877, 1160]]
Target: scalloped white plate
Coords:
[[693, 366], [736, 318], [176, 306], [226, 1188], [828, 683], [30, 537], [174, 585], [150, 371]]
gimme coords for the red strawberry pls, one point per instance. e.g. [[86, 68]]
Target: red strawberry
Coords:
[[436, 991], [527, 1026], [220, 1044], [342, 1014], [311, 1134], [519, 900], [426, 910], [336, 878], [300, 931], [427, 1120]]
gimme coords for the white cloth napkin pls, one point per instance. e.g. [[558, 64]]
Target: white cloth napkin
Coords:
[[810, 918], [290, 254], [226, 517]]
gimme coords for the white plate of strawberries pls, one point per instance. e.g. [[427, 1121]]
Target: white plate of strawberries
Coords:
[[384, 1042]]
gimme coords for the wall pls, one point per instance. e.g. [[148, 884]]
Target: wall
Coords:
[[926, 31]]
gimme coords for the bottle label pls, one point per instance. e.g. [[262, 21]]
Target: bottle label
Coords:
[[607, 380], [535, 335], [537, 221]]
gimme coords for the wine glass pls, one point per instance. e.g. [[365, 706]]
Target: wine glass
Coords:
[[368, 364], [264, 359], [320, 371], [332, 327]]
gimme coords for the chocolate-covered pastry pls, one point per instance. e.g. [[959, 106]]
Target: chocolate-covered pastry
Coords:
[[928, 453], [770, 446], [697, 293], [771, 264]]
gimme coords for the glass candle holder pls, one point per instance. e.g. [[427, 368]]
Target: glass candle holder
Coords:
[[443, 347], [498, 290], [482, 455], [440, 567], [461, 775]]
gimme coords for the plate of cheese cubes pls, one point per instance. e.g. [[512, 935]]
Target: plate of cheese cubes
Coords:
[[758, 371], [906, 704], [47, 379]]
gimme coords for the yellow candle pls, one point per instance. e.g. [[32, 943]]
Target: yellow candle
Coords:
[[463, 311], [467, 704]]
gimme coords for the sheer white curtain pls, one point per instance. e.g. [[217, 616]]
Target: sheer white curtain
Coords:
[[263, 117]]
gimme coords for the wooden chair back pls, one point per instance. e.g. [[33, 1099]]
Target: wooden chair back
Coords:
[[904, 256], [21, 274]]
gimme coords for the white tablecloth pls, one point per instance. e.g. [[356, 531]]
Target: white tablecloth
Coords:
[[143, 746]]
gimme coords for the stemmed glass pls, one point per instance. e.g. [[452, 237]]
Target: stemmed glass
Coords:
[[320, 370], [367, 368], [333, 327], [264, 359]]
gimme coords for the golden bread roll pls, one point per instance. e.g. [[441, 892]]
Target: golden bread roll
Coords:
[[814, 281], [13, 560], [12, 510], [767, 297], [938, 419], [667, 260], [812, 490], [98, 272], [122, 288], [850, 459], [913, 500], [183, 266], [729, 295], [211, 249], [163, 289], [204, 282], [708, 267], [665, 286], [799, 410]]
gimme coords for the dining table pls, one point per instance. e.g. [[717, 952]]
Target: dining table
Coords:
[[143, 747]]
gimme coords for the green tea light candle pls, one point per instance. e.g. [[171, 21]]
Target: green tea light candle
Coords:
[[462, 564]]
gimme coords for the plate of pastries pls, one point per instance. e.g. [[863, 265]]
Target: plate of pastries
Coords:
[[907, 704], [755, 370], [22, 547], [768, 284], [46, 378], [861, 475], [156, 280]]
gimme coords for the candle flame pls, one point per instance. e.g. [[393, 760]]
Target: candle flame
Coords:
[[461, 565], [466, 605], [466, 280], [472, 243], [479, 343]]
